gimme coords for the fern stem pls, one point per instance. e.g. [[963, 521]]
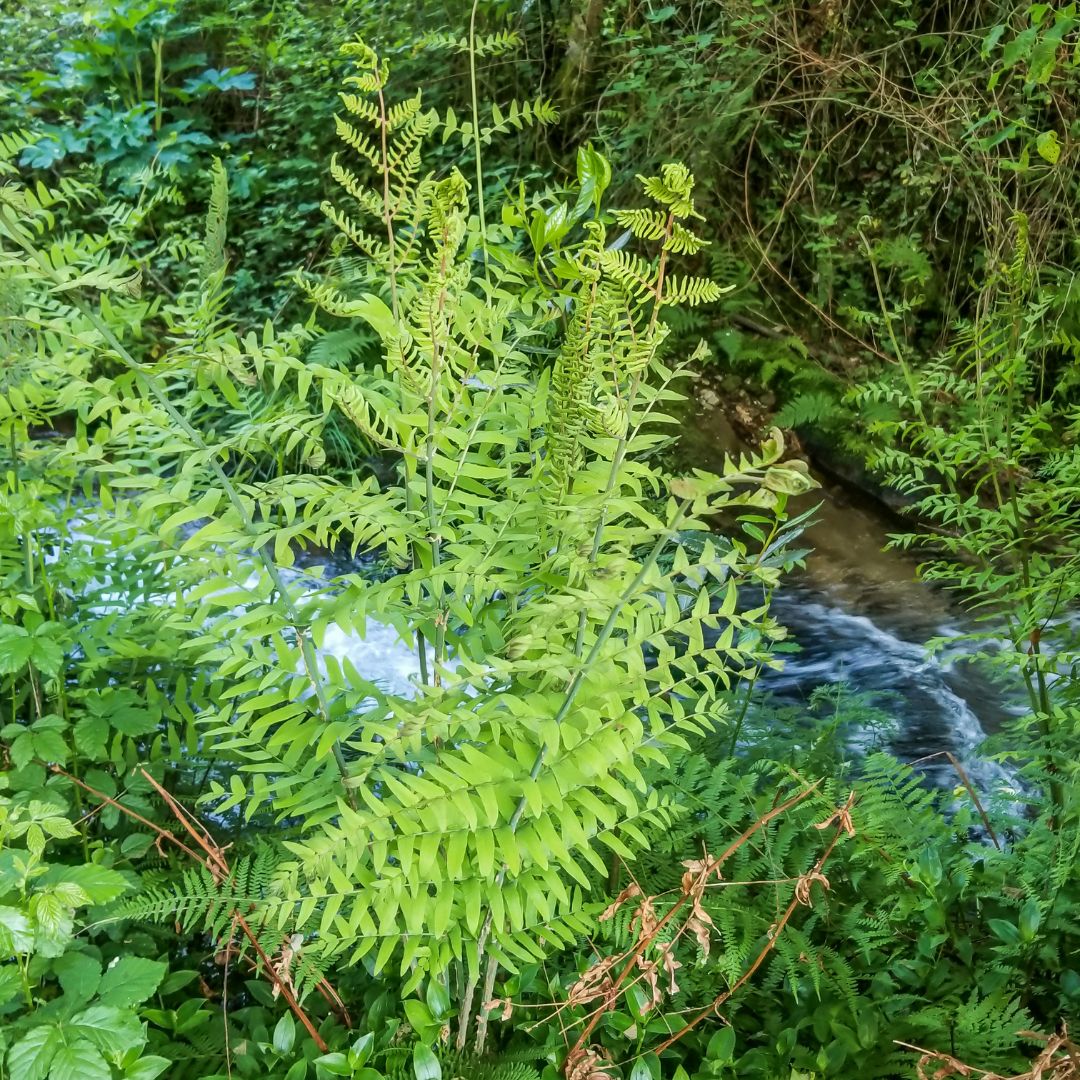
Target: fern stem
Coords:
[[567, 703], [391, 272], [476, 136], [564, 709], [485, 997], [624, 441]]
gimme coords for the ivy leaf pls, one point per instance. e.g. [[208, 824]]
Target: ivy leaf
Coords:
[[79, 1061], [130, 981], [31, 1056]]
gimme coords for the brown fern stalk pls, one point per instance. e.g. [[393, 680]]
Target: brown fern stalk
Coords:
[[800, 897], [215, 863], [711, 867]]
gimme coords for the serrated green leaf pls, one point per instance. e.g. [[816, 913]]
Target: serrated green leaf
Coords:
[[79, 1061], [131, 980]]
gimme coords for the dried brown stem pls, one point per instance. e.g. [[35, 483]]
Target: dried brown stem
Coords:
[[798, 898], [713, 865], [215, 863]]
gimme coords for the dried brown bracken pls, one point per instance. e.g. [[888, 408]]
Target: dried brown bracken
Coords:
[[1059, 1059], [631, 890], [586, 1063], [651, 959]]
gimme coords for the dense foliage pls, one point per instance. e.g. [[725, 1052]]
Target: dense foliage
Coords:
[[288, 370]]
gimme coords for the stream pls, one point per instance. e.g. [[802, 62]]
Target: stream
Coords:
[[859, 616]]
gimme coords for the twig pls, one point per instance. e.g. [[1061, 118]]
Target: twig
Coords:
[[214, 863], [714, 864], [842, 826], [969, 787]]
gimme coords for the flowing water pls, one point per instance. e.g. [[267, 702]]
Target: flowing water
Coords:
[[859, 616]]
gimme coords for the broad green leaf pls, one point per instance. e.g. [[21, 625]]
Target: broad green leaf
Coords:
[[79, 975], [1005, 930], [79, 1061], [16, 931], [16, 648], [91, 734], [361, 1050], [131, 980], [100, 884], [721, 1047], [1030, 918], [31, 1057], [147, 1068], [438, 1000], [111, 1030], [335, 1064], [425, 1064], [284, 1034], [646, 1068]]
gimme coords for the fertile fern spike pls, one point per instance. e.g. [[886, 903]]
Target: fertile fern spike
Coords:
[[213, 261], [573, 377]]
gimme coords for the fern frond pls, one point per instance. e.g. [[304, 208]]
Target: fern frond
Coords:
[[358, 141], [692, 291], [495, 44], [217, 212]]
